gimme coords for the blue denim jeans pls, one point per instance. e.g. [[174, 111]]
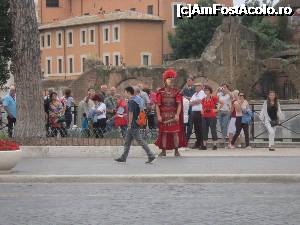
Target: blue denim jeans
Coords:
[[224, 118]]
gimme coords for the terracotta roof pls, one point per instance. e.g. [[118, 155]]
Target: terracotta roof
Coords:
[[92, 19]]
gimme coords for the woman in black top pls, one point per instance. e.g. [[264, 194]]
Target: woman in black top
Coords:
[[271, 115]]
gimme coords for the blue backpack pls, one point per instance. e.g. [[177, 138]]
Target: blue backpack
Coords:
[[247, 117]]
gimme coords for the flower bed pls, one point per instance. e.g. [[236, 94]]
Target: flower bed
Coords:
[[10, 155], [6, 145]]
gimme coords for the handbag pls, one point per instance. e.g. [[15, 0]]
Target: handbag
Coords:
[[247, 117]]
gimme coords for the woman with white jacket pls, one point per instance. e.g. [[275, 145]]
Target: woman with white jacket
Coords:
[[271, 115]]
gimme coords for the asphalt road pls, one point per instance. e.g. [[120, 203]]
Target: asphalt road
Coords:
[[176, 204]]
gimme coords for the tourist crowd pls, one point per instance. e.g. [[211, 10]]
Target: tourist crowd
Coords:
[[202, 108]]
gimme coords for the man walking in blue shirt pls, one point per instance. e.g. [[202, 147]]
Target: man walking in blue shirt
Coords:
[[133, 131], [9, 104]]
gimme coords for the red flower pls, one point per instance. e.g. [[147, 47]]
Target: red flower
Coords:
[[6, 145]]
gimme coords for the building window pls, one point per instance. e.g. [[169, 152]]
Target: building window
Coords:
[[42, 41], [106, 59], [92, 35], [52, 3], [71, 64], [150, 9], [146, 59], [118, 10], [48, 35], [48, 65], [106, 34], [70, 38], [116, 33], [116, 59], [59, 39], [175, 20], [60, 65], [133, 9], [83, 33], [82, 62]]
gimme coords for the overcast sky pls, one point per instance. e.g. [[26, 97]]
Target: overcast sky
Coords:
[[239, 2]]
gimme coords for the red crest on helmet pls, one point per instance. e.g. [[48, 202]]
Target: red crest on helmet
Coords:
[[169, 74]]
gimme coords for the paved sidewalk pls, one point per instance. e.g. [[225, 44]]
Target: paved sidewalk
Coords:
[[253, 166], [137, 151]]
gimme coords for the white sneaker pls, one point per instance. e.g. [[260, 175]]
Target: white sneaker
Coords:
[[248, 148]]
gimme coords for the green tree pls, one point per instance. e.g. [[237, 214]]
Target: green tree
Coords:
[[249, 20], [268, 35], [282, 27], [5, 41], [271, 35], [193, 35]]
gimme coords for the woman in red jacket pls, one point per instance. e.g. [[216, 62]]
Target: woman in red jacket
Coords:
[[209, 113], [121, 114]]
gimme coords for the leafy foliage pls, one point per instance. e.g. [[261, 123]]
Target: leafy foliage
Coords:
[[5, 41], [271, 35], [193, 35]]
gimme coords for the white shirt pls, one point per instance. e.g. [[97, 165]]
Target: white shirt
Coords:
[[102, 114], [196, 97], [186, 106], [226, 100]]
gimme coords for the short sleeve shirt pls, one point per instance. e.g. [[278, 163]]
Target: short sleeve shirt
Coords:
[[134, 108], [11, 105], [226, 102], [198, 96], [110, 103], [69, 101], [188, 91], [209, 106], [102, 108]]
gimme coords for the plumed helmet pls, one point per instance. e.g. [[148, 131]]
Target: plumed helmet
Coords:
[[169, 74]]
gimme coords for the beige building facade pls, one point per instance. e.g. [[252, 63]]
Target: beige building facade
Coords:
[[119, 33]]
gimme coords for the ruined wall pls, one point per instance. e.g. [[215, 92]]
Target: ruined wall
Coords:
[[232, 57]]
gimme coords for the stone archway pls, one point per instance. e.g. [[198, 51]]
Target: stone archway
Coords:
[[147, 83]]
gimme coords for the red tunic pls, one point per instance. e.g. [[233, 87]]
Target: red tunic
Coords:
[[168, 101]]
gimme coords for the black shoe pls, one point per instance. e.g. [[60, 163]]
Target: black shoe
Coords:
[[150, 160], [271, 149], [120, 160], [215, 148], [195, 146], [203, 148], [162, 154]]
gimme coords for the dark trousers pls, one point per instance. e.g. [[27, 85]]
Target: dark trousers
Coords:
[[69, 117], [10, 124], [210, 123], [151, 121], [99, 128], [134, 134], [48, 126], [197, 121], [62, 131], [189, 127], [239, 127]]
